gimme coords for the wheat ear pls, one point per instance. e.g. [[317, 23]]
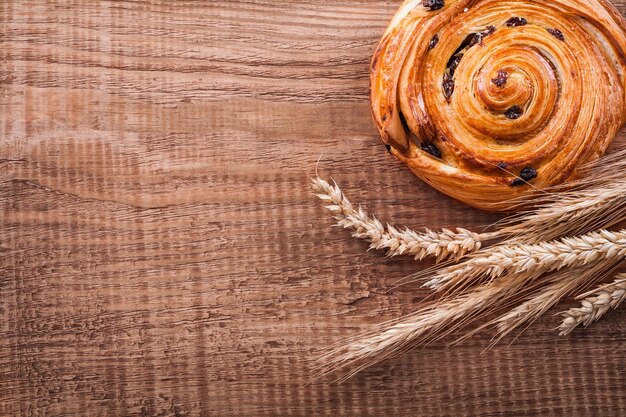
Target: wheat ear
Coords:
[[594, 305], [576, 212], [424, 326], [596, 200], [444, 244], [556, 287], [438, 319], [536, 258]]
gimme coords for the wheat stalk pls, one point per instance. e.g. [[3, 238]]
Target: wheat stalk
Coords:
[[594, 305], [537, 258], [444, 244]]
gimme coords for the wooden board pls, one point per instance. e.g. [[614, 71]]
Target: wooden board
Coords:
[[161, 253]]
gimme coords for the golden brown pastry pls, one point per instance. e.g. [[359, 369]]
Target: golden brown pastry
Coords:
[[488, 100]]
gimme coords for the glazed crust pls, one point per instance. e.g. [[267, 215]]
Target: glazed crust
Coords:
[[489, 100]]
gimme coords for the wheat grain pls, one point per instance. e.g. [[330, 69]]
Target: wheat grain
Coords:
[[540, 257], [441, 245], [594, 305]]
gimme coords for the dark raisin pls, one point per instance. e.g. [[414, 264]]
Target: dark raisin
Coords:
[[448, 86], [405, 125], [503, 165], [432, 150], [478, 37], [501, 79], [514, 112], [433, 5], [388, 147], [525, 175], [528, 173], [433, 42], [516, 21], [556, 33], [453, 63], [466, 43]]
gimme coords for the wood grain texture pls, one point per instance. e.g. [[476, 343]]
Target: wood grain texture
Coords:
[[160, 251]]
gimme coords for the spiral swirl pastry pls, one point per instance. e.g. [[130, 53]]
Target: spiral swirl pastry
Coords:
[[489, 100]]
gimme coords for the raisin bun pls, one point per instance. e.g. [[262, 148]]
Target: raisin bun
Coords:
[[489, 100]]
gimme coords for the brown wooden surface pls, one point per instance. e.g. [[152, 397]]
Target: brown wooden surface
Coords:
[[161, 253]]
